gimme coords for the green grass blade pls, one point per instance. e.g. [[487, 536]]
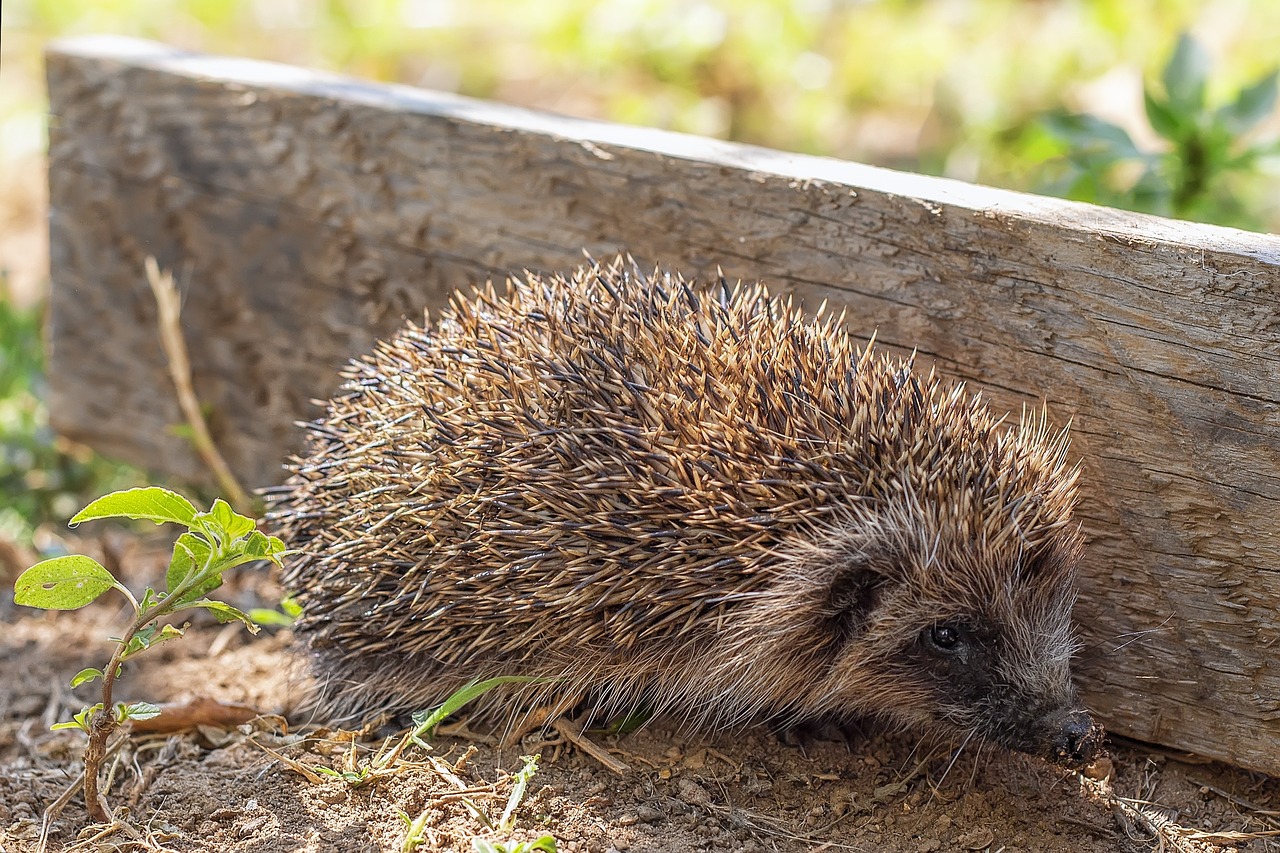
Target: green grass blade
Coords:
[[425, 722]]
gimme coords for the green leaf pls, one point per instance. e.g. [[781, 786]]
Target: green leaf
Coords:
[[168, 632], [256, 545], [629, 722], [136, 711], [63, 583], [80, 720], [191, 555], [273, 618], [137, 643], [231, 522], [1164, 120], [151, 635], [288, 613], [1091, 136], [151, 503], [150, 598], [224, 612], [223, 525], [86, 714], [521, 779], [1185, 75], [86, 675], [261, 546], [545, 843], [1251, 106]]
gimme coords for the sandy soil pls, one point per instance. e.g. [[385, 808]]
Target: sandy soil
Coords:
[[255, 788]]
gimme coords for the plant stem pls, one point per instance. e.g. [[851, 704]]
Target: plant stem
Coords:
[[1193, 177], [104, 723]]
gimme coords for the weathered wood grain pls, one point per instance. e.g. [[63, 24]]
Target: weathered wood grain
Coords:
[[311, 213]]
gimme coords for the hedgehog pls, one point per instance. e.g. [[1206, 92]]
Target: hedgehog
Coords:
[[650, 495]]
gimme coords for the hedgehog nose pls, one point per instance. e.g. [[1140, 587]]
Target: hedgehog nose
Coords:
[[1074, 740]]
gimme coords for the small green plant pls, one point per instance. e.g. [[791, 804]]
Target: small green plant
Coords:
[[506, 823], [425, 722], [1207, 164], [415, 831], [387, 761], [546, 844], [288, 613], [520, 784], [214, 542]]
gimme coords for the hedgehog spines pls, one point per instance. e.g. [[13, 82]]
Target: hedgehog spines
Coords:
[[635, 485]]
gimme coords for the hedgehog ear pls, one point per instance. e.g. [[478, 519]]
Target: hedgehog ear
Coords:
[[1050, 564], [855, 590]]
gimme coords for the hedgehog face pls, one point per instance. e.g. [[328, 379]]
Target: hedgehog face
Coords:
[[1007, 680], [991, 658]]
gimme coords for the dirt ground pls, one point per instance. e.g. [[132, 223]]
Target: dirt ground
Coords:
[[254, 788]]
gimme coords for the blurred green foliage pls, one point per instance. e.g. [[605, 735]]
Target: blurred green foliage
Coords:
[[1208, 169], [42, 477]]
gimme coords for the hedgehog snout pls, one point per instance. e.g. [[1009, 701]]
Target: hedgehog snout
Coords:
[[1071, 738]]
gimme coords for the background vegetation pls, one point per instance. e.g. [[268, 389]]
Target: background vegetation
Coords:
[[1041, 95]]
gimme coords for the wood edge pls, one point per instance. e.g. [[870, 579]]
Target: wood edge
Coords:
[[1088, 220]]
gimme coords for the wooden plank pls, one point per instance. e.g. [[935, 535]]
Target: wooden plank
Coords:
[[313, 212]]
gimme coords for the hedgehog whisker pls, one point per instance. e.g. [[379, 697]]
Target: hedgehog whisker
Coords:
[[1134, 638], [977, 757], [956, 755]]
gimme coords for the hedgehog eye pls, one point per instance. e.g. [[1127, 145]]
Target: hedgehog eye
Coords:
[[945, 639]]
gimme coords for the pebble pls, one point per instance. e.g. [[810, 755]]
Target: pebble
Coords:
[[1101, 769], [979, 839], [648, 814], [691, 792], [249, 828], [333, 795]]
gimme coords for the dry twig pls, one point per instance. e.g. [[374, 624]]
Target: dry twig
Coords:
[[169, 307], [574, 735]]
